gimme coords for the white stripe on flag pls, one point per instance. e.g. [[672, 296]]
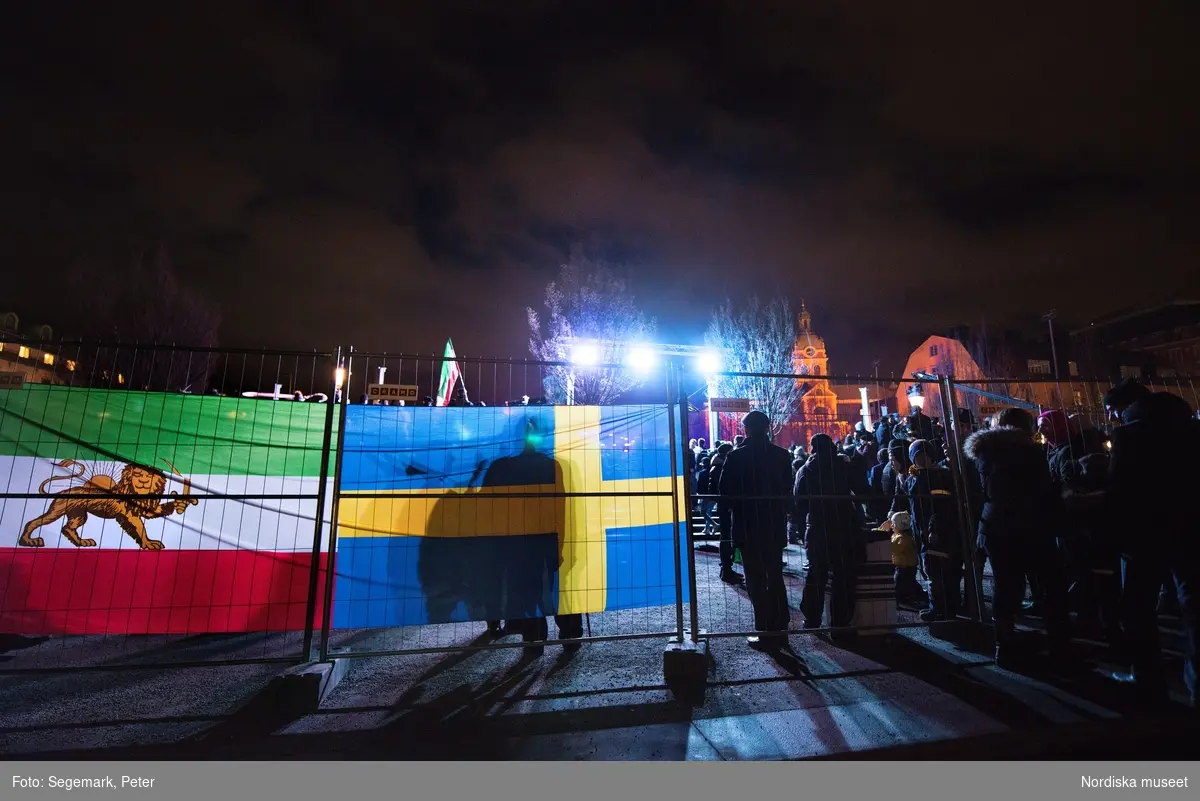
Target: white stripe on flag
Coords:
[[212, 524]]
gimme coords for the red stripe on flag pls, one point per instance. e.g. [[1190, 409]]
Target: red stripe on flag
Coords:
[[86, 591]]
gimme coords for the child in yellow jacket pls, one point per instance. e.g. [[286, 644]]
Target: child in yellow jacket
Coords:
[[904, 558]]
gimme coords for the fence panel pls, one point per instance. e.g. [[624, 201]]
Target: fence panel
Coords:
[[152, 494], [855, 559], [460, 525], [1076, 449]]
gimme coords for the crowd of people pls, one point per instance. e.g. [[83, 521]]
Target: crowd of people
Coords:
[[1086, 529]]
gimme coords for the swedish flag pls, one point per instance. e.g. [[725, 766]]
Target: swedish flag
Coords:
[[450, 514]]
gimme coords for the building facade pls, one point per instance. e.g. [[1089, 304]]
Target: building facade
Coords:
[[19, 353]]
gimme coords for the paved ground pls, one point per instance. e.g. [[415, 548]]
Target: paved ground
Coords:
[[909, 690]]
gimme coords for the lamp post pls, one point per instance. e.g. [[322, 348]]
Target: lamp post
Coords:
[[916, 398], [1049, 318]]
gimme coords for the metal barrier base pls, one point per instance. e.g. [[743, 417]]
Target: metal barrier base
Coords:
[[303, 688], [685, 668]]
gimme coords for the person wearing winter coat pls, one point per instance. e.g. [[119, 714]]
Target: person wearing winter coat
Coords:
[[935, 521], [754, 483], [905, 555], [795, 526], [921, 425], [832, 533], [883, 433], [1068, 442], [1017, 530], [879, 505], [1152, 471], [723, 520]]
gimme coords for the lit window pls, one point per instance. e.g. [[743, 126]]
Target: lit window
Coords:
[[48, 358], [816, 369], [70, 365], [933, 350], [120, 378], [23, 352], [1037, 367], [1078, 399], [1073, 368]]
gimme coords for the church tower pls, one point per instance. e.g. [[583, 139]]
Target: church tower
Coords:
[[811, 363]]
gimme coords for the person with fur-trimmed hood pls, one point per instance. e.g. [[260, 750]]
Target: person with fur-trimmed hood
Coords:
[[1022, 511]]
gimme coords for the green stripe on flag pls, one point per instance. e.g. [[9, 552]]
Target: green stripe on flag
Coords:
[[198, 434]]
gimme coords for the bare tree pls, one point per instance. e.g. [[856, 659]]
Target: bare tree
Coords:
[[588, 303], [758, 339], [141, 305]]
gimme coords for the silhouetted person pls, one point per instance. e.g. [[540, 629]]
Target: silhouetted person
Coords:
[[507, 577], [531, 562], [1018, 527], [935, 520], [1152, 473], [754, 484], [833, 537]]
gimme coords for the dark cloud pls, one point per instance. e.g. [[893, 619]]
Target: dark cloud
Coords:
[[385, 175]]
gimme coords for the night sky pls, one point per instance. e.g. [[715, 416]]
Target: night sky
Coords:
[[388, 174]]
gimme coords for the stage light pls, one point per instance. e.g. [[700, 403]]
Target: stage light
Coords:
[[641, 359], [709, 362], [339, 377], [585, 354]]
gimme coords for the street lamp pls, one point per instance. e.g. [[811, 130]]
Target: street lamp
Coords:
[[916, 398]]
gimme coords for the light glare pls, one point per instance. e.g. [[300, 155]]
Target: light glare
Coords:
[[709, 363], [641, 359], [585, 355]]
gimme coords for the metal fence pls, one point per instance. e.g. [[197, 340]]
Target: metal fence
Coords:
[[172, 506], [157, 510]]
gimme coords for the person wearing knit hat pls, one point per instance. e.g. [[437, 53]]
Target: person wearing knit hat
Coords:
[[755, 484], [1053, 427], [934, 509]]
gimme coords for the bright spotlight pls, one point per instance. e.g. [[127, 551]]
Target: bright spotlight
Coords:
[[641, 359], [709, 362], [585, 355]]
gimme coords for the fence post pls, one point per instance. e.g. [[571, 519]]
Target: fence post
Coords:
[[675, 473], [339, 465], [688, 501], [319, 534], [974, 583]]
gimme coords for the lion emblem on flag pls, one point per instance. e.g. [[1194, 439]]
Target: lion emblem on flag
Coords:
[[134, 495]]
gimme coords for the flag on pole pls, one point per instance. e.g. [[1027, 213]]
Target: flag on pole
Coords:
[[451, 375]]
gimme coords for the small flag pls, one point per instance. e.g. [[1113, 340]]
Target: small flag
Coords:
[[451, 375]]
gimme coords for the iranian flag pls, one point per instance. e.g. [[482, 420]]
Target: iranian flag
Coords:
[[221, 542], [451, 375]]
